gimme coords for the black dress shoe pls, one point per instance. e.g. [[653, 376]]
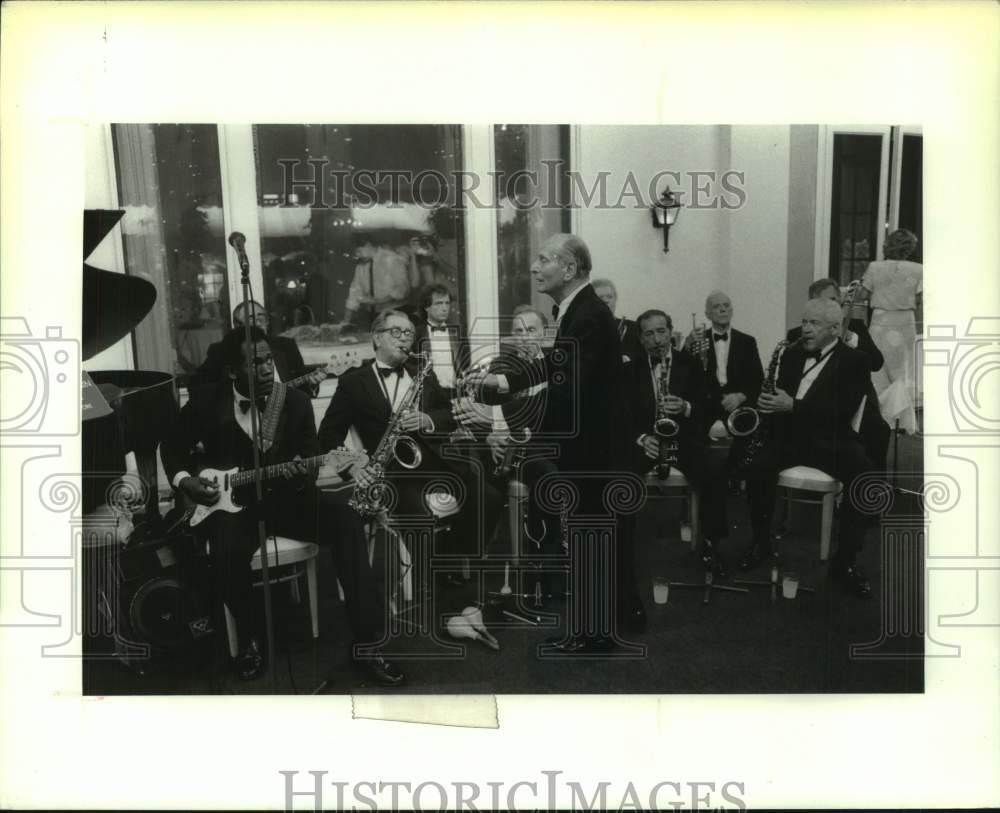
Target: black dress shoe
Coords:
[[754, 555], [378, 670], [853, 580], [250, 662]]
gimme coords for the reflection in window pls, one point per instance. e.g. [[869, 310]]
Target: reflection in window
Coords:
[[169, 186], [529, 193], [854, 228], [370, 221]]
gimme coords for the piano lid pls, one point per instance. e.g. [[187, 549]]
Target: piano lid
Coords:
[[113, 303]]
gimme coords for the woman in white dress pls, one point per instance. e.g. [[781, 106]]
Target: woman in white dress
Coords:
[[894, 287]]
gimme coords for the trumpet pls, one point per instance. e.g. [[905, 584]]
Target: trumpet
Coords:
[[699, 346]]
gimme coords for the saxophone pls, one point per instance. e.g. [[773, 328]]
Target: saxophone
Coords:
[[665, 427], [755, 440], [367, 500]]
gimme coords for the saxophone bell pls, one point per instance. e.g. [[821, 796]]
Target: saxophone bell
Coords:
[[666, 428], [411, 457], [742, 421]]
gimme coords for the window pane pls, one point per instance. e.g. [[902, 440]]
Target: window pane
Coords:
[[530, 195], [169, 186], [355, 219], [853, 232], [911, 191]]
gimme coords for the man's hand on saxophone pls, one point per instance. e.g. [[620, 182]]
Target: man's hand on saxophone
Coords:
[[780, 401], [416, 421], [498, 443], [675, 405]]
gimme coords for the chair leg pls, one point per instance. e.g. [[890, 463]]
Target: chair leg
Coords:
[[695, 503], [340, 592], [826, 527], [231, 632], [294, 588], [313, 597]]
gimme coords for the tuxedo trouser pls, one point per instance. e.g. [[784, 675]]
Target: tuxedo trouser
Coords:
[[704, 469], [309, 515]]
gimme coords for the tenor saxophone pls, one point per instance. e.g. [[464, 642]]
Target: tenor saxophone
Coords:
[[368, 500], [665, 427]]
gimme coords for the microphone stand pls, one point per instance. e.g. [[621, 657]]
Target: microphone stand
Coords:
[[249, 350]]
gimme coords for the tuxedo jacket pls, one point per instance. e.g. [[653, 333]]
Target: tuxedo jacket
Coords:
[[287, 361], [866, 344], [687, 381], [820, 423], [628, 332], [459, 346], [744, 372], [360, 401], [208, 418], [585, 406]]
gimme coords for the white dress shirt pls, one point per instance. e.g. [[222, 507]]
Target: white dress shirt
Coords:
[[722, 356], [441, 357], [394, 386], [499, 422], [811, 369]]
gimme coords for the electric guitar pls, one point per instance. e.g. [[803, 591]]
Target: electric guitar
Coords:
[[320, 374], [233, 478]]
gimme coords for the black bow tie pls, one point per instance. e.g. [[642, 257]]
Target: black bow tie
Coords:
[[720, 337], [814, 354], [555, 311], [439, 328], [385, 372], [245, 405]]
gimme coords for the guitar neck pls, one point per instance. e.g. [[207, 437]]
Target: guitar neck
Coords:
[[242, 478]]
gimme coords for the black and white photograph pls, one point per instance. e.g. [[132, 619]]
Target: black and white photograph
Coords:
[[511, 406]]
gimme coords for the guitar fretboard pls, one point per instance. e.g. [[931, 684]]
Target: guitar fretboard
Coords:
[[242, 478]]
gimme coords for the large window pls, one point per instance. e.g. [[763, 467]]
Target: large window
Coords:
[[354, 219], [855, 217], [533, 195], [169, 186]]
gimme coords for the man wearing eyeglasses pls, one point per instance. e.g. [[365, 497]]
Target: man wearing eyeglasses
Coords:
[[369, 395], [219, 417]]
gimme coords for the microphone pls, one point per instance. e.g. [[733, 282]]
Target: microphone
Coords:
[[238, 241]]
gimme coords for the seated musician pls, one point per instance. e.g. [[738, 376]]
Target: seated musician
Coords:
[[368, 396], [874, 430], [682, 398], [819, 388], [288, 363], [219, 416], [732, 363]]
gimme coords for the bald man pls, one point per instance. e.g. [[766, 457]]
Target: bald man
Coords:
[[819, 388]]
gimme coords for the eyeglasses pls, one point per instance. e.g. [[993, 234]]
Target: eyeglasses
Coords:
[[260, 360], [397, 332]]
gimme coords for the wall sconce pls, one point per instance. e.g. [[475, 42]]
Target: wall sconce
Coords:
[[665, 211]]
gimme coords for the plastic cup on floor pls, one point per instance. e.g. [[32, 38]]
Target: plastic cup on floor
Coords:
[[661, 590], [790, 584]]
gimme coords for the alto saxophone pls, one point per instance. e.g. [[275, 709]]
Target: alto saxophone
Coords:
[[665, 427], [762, 431], [368, 500]]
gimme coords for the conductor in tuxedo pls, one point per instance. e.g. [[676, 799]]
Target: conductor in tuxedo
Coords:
[[583, 408], [819, 388], [734, 372], [218, 416], [685, 402], [288, 363], [438, 339], [874, 430]]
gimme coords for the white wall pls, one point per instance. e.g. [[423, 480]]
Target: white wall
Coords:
[[743, 251]]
